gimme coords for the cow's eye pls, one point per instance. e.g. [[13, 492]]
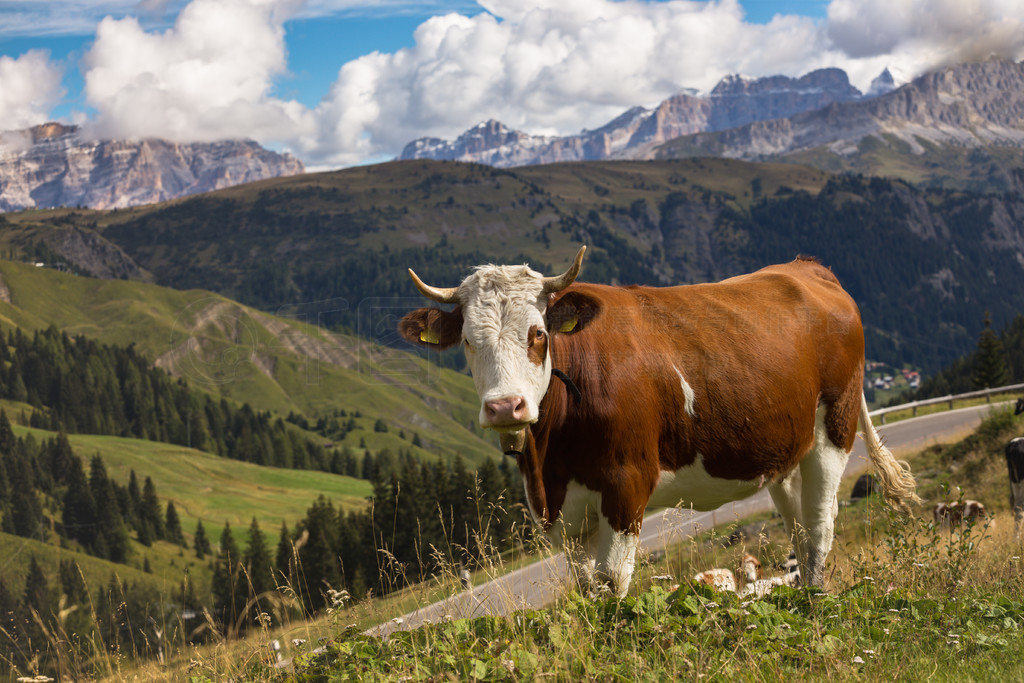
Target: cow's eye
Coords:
[[540, 334], [469, 346]]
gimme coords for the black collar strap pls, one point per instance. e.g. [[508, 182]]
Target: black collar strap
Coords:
[[569, 384]]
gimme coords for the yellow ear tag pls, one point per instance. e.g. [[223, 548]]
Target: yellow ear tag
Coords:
[[569, 325], [430, 337]]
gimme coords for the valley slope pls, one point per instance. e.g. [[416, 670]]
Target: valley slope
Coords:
[[924, 266], [279, 363]]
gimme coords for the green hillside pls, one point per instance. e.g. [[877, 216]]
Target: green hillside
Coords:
[[994, 169], [214, 489], [273, 363], [333, 248]]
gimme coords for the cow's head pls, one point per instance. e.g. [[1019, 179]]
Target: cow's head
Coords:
[[500, 320]]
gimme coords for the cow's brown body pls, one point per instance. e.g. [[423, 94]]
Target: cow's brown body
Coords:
[[760, 351], [693, 395]]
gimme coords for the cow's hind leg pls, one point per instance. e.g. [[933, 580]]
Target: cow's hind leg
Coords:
[[821, 471], [786, 496]]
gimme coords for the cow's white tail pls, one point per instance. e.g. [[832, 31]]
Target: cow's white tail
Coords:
[[898, 485]]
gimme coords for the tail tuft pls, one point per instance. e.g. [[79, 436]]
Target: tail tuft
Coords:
[[898, 485]]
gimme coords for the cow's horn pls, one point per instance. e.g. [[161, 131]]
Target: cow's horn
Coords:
[[442, 295], [560, 282]]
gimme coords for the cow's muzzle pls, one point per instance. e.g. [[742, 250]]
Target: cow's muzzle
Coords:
[[508, 413]]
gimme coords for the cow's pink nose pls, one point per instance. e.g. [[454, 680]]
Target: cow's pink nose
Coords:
[[505, 410]]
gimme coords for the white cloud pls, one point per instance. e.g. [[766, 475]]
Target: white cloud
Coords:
[[208, 77], [552, 66], [947, 30], [30, 89]]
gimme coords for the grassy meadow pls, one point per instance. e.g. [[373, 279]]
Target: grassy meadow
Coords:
[[904, 600], [203, 487]]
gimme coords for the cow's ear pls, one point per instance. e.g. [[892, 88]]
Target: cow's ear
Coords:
[[571, 313], [432, 327]]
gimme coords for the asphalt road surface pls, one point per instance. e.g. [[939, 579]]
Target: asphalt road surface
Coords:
[[537, 585]]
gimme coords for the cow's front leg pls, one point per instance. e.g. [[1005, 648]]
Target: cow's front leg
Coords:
[[616, 554]]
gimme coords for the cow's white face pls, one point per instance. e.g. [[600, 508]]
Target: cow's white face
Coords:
[[506, 343], [500, 322]]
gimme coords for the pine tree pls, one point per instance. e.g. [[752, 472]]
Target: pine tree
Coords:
[[135, 501], [989, 360], [60, 458], [7, 438], [149, 509], [111, 532], [79, 514], [200, 542], [256, 560], [172, 526], [318, 556], [37, 591], [283, 558], [229, 592]]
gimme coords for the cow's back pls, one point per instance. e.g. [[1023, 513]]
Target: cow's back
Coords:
[[756, 353]]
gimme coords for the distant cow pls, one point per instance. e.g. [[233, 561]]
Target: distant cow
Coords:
[[726, 580], [1015, 467], [763, 586], [952, 515], [697, 394], [864, 487], [1019, 408], [719, 578]]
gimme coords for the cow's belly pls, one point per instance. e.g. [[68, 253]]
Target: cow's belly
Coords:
[[1017, 494], [692, 486], [578, 517]]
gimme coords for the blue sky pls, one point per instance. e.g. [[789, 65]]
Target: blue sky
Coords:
[[272, 70], [317, 45]]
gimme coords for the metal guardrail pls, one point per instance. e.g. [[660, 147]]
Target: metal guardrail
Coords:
[[914, 405]]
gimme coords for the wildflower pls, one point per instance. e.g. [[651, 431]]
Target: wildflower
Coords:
[[338, 598], [858, 660], [663, 577]]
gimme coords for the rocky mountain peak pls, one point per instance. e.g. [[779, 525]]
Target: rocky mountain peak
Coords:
[[882, 83], [735, 101], [51, 131], [53, 165]]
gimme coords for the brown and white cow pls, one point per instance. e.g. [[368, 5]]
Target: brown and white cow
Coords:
[[694, 395], [1015, 470], [953, 515]]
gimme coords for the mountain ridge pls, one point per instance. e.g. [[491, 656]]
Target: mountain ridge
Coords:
[[346, 238], [968, 105], [735, 100], [53, 165]]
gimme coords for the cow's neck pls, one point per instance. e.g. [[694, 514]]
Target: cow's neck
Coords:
[[552, 415]]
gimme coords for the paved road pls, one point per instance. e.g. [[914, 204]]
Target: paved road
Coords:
[[536, 585]]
